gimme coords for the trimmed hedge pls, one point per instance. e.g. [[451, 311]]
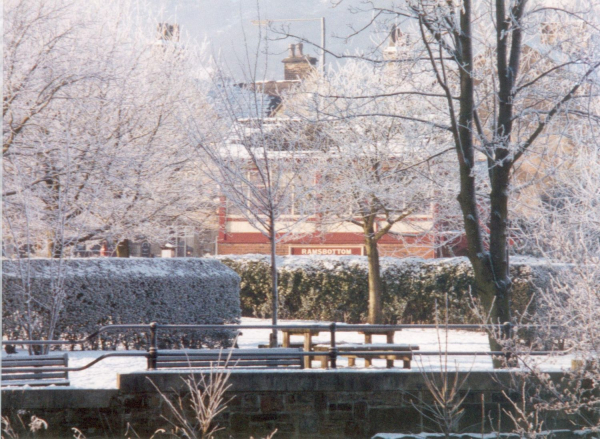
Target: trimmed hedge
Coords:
[[336, 289], [106, 291]]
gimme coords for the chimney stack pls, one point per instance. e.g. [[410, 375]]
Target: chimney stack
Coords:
[[297, 65], [167, 32]]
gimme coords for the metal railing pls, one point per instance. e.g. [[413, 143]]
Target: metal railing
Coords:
[[153, 329]]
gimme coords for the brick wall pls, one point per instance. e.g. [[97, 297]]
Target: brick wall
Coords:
[[315, 404], [298, 70], [251, 248]]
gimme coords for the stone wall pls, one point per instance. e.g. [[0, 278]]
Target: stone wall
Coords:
[[312, 404]]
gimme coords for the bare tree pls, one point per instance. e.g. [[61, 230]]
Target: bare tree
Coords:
[[261, 165]]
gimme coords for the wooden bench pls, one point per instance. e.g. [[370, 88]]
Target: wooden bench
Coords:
[[297, 345], [353, 351], [35, 370], [240, 358]]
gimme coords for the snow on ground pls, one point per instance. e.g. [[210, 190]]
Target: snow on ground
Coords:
[[426, 339], [103, 375]]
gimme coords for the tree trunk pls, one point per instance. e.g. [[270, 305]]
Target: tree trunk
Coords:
[[490, 267], [499, 244], [123, 250], [375, 283], [274, 291]]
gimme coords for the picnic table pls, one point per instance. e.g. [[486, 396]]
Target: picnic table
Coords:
[[308, 343], [389, 339], [352, 351]]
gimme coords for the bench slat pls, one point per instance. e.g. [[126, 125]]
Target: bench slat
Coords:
[[381, 356], [35, 370], [182, 365], [370, 347], [37, 363], [33, 376], [37, 383], [225, 352], [232, 358], [205, 358], [8, 357]]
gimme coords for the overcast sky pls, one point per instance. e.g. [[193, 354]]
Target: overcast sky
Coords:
[[226, 23]]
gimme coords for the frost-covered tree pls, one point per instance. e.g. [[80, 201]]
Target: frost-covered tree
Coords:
[[378, 175], [91, 142], [509, 78], [92, 145], [564, 228]]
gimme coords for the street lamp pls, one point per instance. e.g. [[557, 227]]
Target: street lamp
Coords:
[[267, 22]]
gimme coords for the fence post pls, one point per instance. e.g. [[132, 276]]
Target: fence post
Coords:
[[332, 348], [507, 333], [152, 354]]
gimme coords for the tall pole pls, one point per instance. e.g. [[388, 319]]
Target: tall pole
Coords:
[[323, 45]]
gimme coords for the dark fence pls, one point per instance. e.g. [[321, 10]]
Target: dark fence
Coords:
[[506, 330]]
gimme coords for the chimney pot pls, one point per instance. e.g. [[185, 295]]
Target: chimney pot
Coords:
[[297, 65]]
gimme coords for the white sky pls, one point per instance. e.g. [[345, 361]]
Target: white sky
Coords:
[[226, 24]]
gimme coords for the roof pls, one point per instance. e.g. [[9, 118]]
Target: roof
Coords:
[[274, 90]]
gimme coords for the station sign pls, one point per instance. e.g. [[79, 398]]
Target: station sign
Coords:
[[326, 250]]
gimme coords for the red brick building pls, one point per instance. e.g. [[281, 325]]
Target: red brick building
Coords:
[[415, 236], [237, 236]]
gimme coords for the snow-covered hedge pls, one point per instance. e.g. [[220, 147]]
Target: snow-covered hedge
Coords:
[[336, 288], [117, 291]]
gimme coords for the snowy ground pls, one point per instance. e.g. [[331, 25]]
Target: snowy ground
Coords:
[[103, 375]]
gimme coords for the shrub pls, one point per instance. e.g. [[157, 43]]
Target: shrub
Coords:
[[326, 288], [106, 291]]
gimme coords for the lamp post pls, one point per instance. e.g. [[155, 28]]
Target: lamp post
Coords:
[[267, 22]]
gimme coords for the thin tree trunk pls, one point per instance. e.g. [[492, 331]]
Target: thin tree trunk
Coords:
[[274, 291], [123, 249], [375, 283]]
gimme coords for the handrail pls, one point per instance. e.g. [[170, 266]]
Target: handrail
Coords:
[[340, 327], [332, 328], [72, 342]]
